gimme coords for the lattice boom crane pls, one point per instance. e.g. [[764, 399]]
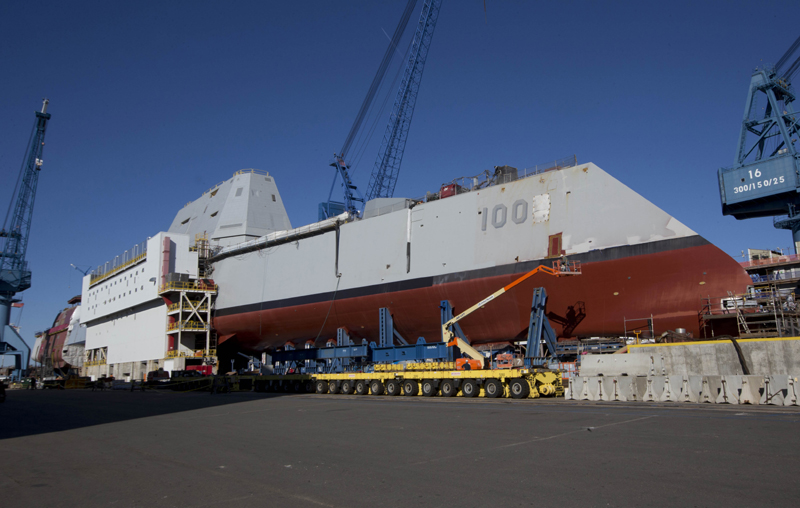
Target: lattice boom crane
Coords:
[[14, 274]]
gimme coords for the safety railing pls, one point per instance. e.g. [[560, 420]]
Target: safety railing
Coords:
[[187, 286], [200, 353], [187, 326], [787, 258], [100, 278], [93, 363], [176, 306], [489, 178]]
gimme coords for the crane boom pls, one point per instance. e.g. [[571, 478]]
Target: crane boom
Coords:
[[14, 274], [387, 166]]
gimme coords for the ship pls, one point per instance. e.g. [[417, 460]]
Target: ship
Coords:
[[284, 287], [61, 347]]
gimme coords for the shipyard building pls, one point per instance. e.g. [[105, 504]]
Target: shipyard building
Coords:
[[150, 307]]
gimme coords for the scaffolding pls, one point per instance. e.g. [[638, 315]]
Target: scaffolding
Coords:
[[766, 311], [188, 328]]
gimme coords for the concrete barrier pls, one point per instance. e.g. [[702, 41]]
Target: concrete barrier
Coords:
[[763, 357], [710, 389], [774, 390], [690, 388], [790, 399], [653, 389], [729, 390], [572, 386], [623, 365], [750, 391], [672, 389], [617, 388], [585, 395]]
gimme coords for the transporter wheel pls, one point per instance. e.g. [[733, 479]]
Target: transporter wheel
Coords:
[[448, 388], [428, 388], [309, 386], [322, 386], [347, 387], [333, 387], [376, 387], [297, 387], [410, 387], [392, 387], [470, 388], [493, 389], [362, 387], [519, 388]]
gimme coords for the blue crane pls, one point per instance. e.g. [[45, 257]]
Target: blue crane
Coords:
[[765, 178], [14, 274], [387, 166], [384, 175]]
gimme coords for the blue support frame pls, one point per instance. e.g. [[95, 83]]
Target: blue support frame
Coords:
[[387, 330], [539, 331]]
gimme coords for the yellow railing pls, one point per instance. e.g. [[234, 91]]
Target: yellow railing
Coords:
[[100, 278], [187, 326], [200, 353], [93, 363], [187, 286], [175, 306]]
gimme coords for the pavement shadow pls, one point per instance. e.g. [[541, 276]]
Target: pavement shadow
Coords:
[[29, 412]]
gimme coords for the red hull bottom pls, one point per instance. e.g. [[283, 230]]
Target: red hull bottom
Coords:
[[668, 285]]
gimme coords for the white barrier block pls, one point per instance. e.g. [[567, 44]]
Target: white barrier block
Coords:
[[618, 391], [710, 389], [729, 390], [596, 388], [774, 390], [671, 389], [569, 392], [609, 386], [750, 393], [690, 388], [654, 389], [790, 399], [585, 395]]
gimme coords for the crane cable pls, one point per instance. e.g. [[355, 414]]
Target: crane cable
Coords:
[[376, 81]]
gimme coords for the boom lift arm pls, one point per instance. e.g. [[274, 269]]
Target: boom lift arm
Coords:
[[449, 335]]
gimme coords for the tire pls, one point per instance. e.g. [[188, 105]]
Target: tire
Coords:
[[469, 388], [376, 387], [333, 387], [322, 387], [519, 388], [392, 387], [493, 389], [362, 387], [448, 388], [428, 388], [297, 387], [347, 387], [309, 386], [410, 387]]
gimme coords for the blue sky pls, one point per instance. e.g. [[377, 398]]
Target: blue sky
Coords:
[[155, 102]]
